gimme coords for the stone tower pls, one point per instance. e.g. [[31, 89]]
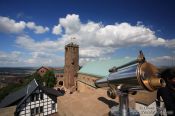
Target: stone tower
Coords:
[[71, 65]]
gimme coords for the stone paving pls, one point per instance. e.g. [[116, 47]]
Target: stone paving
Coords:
[[92, 103]]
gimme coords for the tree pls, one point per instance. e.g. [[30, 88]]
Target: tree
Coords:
[[49, 78], [38, 78]]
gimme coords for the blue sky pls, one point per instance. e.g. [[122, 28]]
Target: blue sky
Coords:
[[34, 32]]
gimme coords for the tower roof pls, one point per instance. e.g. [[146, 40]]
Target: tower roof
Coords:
[[72, 45]]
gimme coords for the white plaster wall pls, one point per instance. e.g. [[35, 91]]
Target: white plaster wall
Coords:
[[46, 103]]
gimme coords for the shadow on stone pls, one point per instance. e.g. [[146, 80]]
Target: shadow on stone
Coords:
[[110, 103]]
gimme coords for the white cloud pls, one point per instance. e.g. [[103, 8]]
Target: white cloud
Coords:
[[92, 52], [37, 29], [97, 40], [127, 57], [94, 39], [57, 30], [170, 43], [30, 44], [163, 60], [44, 59], [71, 24], [13, 54], [85, 60], [8, 25], [16, 58], [9, 58], [41, 52]]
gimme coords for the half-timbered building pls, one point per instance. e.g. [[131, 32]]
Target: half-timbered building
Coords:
[[33, 100]]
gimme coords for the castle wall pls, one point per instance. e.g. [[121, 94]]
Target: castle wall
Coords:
[[86, 82]]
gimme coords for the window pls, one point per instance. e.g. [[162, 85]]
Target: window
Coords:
[[37, 97], [32, 111], [33, 97], [41, 109], [41, 96], [37, 110], [53, 106]]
